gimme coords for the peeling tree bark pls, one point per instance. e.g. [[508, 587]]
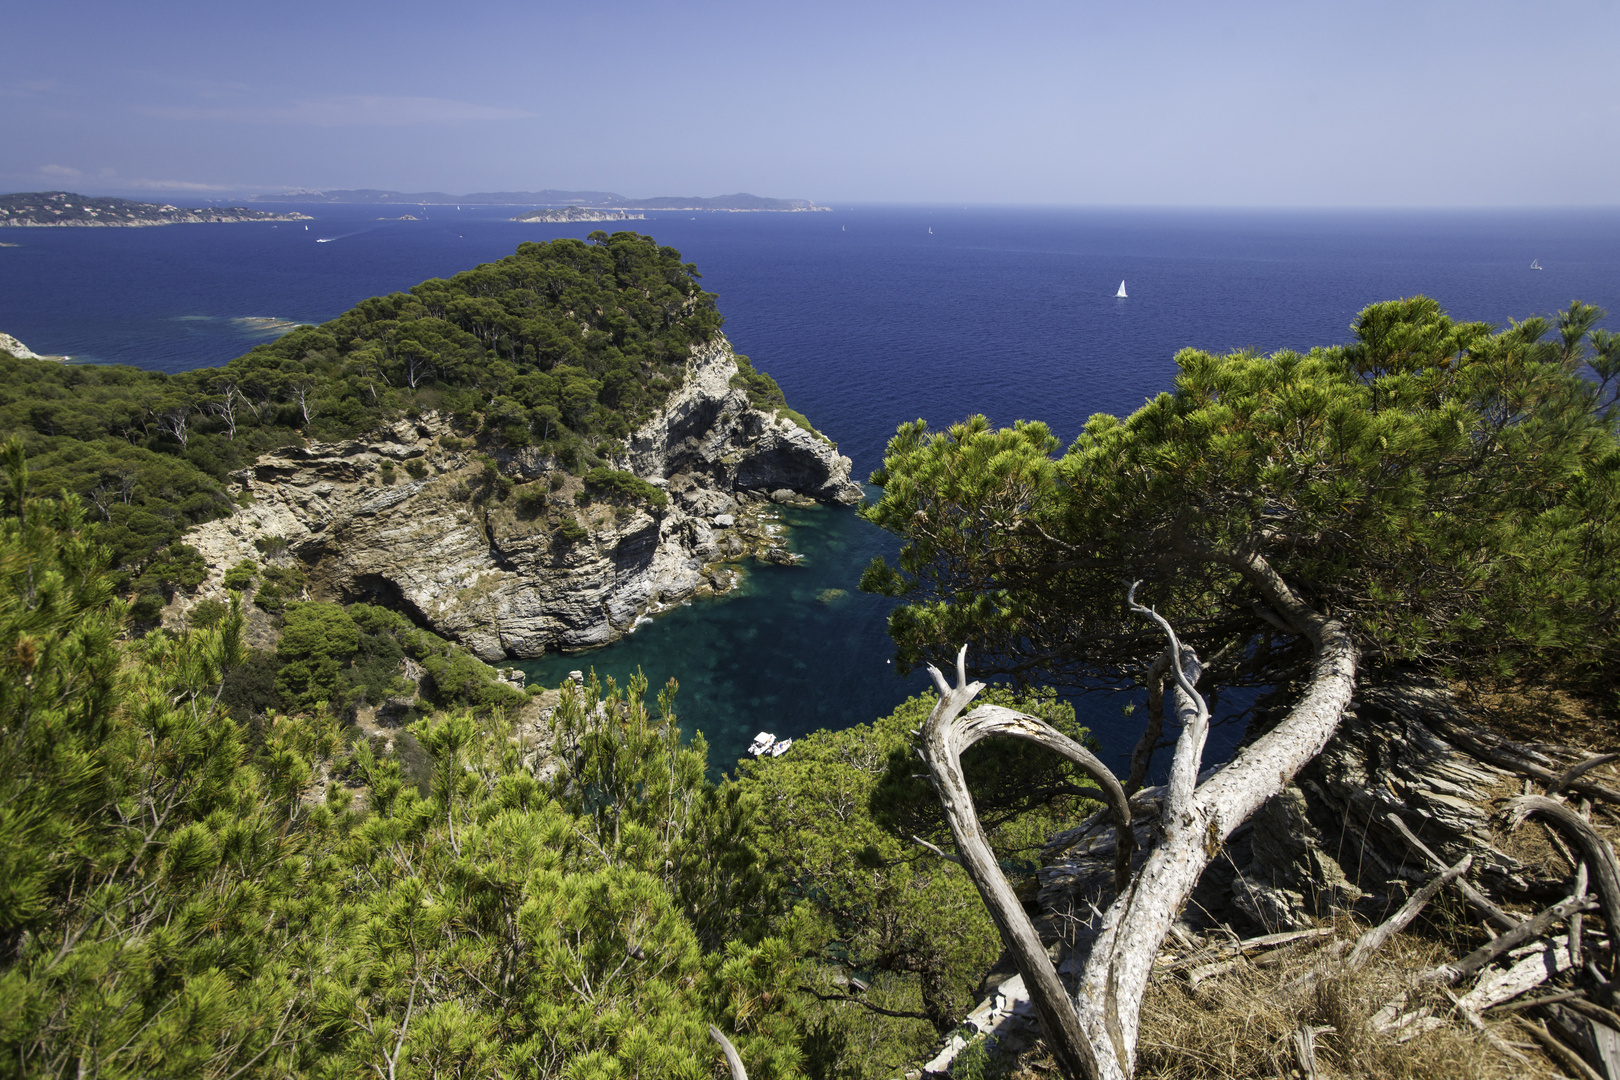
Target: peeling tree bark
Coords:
[[1093, 1034]]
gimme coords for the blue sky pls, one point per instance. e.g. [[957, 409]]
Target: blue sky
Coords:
[[1205, 104]]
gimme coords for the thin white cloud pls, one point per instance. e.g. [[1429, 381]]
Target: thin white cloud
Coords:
[[176, 185], [28, 89], [109, 179], [351, 110]]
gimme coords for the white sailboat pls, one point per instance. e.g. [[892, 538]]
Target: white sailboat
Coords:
[[1121, 294], [1535, 264]]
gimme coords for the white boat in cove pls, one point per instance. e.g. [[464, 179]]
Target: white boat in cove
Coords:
[[1121, 294], [766, 745], [1535, 264]]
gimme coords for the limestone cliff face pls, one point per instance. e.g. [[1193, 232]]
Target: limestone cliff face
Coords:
[[500, 574]]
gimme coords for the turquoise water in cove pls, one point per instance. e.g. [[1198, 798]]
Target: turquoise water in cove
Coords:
[[790, 651], [868, 316]]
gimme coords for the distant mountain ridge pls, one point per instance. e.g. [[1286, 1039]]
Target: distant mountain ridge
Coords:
[[604, 200]]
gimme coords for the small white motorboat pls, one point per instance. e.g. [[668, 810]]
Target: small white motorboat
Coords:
[[767, 745]]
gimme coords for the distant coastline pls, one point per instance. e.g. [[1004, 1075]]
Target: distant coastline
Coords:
[[579, 213], [56, 209], [549, 198]]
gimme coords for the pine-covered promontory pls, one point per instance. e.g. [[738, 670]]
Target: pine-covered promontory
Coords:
[[554, 355]]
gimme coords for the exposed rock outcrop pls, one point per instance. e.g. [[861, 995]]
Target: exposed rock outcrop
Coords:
[[409, 518], [22, 352]]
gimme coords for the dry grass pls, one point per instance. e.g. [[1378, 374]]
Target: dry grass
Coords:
[[1534, 715], [1241, 1025], [1539, 714], [1532, 845]]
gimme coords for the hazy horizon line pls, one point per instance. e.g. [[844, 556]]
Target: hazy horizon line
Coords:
[[194, 196]]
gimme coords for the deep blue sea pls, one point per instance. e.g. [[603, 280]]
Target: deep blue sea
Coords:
[[868, 316]]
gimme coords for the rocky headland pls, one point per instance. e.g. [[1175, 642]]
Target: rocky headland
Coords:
[[741, 201], [16, 348], [512, 556]]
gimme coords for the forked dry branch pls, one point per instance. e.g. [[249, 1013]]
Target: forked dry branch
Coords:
[[1599, 854], [1092, 1032]]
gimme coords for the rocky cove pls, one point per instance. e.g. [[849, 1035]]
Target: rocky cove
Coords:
[[411, 518]]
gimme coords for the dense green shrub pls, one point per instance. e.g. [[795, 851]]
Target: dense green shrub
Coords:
[[207, 614], [241, 577], [571, 530], [249, 690], [531, 498], [271, 547], [841, 809], [616, 485], [317, 642], [278, 585], [762, 391]]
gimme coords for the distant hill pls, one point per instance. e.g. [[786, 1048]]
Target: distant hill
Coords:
[[56, 208], [604, 200]]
